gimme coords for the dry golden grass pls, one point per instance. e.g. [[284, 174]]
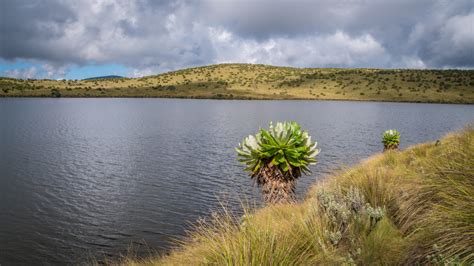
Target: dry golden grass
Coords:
[[245, 81]]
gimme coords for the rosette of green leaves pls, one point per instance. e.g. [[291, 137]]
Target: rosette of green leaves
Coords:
[[391, 138], [284, 145]]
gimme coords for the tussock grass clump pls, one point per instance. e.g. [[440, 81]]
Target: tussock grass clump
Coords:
[[442, 202], [409, 207]]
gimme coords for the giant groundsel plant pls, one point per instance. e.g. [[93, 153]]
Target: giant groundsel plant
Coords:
[[391, 139], [276, 157]]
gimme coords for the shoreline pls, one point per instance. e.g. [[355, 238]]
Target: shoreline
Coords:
[[230, 99]]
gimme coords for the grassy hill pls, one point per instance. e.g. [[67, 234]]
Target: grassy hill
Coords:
[[410, 207], [246, 81]]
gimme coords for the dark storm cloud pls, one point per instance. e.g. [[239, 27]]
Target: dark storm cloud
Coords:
[[394, 24], [26, 27], [264, 19], [150, 36]]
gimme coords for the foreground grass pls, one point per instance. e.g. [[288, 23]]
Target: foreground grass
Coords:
[[245, 81], [409, 207]]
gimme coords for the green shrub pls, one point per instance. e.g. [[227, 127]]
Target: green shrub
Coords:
[[55, 93]]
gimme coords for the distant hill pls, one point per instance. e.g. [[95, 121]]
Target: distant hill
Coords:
[[105, 77], [249, 81]]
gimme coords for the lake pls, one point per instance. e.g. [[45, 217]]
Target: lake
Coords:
[[82, 178]]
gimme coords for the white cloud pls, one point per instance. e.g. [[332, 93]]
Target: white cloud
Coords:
[[137, 73], [411, 62], [51, 71], [39, 70], [338, 49], [22, 73]]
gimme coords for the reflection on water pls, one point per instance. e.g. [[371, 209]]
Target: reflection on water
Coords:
[[89, 177]]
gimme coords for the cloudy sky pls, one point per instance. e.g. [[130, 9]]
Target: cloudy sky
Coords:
[[83, 38]]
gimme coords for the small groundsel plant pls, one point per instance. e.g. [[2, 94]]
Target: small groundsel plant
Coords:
[[276, 157], [391, 139], [348, 216]]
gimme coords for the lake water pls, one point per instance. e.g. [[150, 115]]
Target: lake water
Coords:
[[83, 178]]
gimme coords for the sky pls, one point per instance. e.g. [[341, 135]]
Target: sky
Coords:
[[76, 39]]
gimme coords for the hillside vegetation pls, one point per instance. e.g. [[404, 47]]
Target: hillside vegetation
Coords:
[[409, 207], [246, 81]]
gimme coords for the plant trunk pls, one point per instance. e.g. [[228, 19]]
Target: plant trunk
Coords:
[[277, 187], [390, 147]]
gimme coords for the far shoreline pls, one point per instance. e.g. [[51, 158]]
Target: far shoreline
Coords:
[[231, 99]]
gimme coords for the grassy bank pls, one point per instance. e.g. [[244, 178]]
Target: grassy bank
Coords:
[[413, 206], [245, 81]]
